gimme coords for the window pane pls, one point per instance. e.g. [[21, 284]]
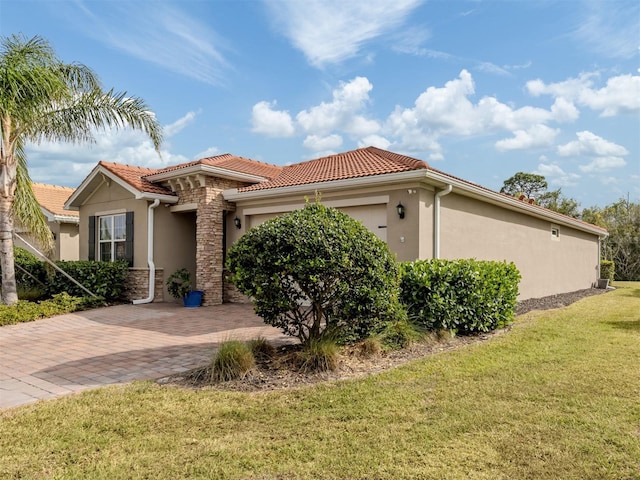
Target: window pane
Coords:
[[106, 227], [105, 252], [119, 227], [120, 253]]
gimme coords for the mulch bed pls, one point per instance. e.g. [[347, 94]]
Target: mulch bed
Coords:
[[281, 370]]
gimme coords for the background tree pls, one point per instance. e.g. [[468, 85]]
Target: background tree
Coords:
[[43, 98], [622, 220], [535, 186], [557, 202], [528, 184], [317, 273]]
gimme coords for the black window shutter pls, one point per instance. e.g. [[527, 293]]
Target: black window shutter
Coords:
[[92, 237], [128, 244]]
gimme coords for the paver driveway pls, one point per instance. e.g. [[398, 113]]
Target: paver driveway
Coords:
[[73, 352]]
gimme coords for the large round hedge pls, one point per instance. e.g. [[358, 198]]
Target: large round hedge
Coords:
[[317, 272]]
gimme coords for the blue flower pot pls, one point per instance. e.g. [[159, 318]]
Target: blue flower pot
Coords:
[[193, 299]]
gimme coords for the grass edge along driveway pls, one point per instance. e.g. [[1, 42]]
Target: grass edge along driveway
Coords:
[[556, 397]]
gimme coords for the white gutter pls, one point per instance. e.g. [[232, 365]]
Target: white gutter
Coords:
[[436, 219], [152, 266]]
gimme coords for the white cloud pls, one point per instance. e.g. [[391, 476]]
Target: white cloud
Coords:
[[535, 137], [375, 141], [621, 94], [590, 144], [331, 31], [127, 146], [175, 127], [608, 28], [564, 111], [410, 40], [209, 152], [602, 164], [555, 175], [342, 112], [316, 143], [272, 123], [448, 110], [163, 35]]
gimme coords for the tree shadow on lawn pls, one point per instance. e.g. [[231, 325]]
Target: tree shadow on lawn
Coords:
[[629, 325]]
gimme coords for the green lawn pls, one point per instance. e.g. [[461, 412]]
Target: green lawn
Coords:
[[558, 397]]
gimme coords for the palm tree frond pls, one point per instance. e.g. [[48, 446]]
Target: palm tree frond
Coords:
[[26, 209]]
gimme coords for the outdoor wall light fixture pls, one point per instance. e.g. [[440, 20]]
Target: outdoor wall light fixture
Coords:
[[237, 222], [400, 209]]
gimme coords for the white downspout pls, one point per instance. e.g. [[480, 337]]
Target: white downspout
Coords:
[[436, 219], [152, 266]]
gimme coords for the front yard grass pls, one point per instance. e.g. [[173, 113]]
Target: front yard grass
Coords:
[[556, 397]]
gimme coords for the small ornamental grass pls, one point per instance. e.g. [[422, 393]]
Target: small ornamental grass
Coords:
[[401, 334], [262, 349], [369, 347], [233, 360], [319, 355]]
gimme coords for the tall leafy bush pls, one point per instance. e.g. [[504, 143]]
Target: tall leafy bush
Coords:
[[317, 272], [466, 296], [105, 279]]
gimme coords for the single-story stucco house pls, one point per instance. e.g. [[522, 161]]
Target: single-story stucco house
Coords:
[[64, 224], [188, 215]]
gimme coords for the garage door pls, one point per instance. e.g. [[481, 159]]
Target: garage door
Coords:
[[374, 217]]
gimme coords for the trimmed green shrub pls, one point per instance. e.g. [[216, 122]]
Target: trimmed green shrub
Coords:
[[233, 360], [25, 311], [316, 272], [607, 269], [31, 274], [105, 279], [463, 296]]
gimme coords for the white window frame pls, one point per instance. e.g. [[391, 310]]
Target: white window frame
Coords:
[[115, 244]]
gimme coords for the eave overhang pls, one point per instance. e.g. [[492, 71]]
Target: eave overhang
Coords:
[[100, 176]]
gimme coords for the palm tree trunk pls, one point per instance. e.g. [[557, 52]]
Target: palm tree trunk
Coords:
[[7, 192]]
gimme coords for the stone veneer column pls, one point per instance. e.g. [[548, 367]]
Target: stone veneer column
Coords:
[[210, 237]]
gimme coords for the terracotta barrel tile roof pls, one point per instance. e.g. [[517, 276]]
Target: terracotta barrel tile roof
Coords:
[[134, 176], [233, 163], [52, 198], [363, 162]]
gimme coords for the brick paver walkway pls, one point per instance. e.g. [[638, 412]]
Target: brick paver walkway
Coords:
[[69, 353]]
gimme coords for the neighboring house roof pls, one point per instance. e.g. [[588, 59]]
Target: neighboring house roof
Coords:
[[363, 162], [51, 199]]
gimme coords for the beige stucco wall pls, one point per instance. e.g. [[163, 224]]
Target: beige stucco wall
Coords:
[[470, 228], [67, 241], [174, 241], [111, 199], [548, 265], [174, 244], [374, 207]]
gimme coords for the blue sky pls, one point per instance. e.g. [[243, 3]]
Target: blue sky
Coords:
[[478, 89]]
